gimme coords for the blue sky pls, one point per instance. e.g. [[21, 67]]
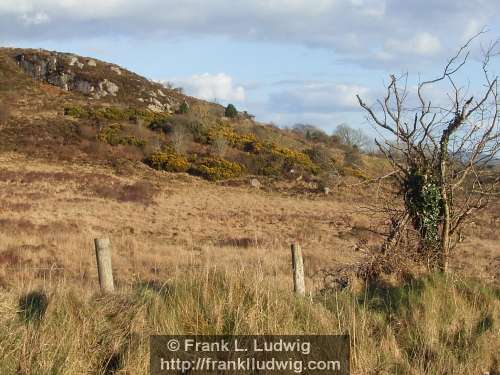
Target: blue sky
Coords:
[[285, 61]]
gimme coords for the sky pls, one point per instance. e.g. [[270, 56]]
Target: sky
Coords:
[[285, 61]]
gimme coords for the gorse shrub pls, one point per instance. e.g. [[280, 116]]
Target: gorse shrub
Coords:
[[227, 132], [321, 157], [216, 169], [355, 172], [292, 159], [115, 114], [168, 161], [278, 159], [113, 135]]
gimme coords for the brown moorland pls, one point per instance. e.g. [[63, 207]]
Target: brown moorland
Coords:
[[200, 257]]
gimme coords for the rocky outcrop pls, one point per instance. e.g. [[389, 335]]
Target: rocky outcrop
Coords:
[[95, 79], [58, 69]]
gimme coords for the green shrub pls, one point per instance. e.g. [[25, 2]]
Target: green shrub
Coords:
[[293, 159], [114, 136], [189, 123], [184, 108], [77, 112], [214, 169], [168, 161], [115, 114], [353, 157], [321, 157], [231, 111]]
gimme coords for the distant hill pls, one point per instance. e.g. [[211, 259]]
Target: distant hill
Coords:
[[65, 106]]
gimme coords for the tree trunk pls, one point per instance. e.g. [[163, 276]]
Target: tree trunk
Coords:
[[445, 231], [395, 233]]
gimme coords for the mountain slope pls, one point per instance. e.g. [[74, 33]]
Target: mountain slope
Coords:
[[66, 106]]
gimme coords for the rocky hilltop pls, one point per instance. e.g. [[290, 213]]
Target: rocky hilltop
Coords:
[[94, 78]]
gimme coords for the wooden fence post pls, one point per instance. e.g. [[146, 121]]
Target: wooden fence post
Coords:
[[299, 285], [104, 270]]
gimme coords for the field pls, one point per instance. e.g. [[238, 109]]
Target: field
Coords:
[[191, 256]]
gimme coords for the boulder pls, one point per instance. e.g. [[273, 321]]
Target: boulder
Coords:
[[72, 60], [107, 87], [255, 183], [155, 108]]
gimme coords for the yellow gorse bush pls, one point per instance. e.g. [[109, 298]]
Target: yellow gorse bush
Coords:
[[231, 136], [250, 143], [115, 114], [217, 169], [168, 161]]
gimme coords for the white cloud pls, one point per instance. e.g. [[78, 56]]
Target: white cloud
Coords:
[[360, 30], [426, 44], [422, 44], [318, 98], [38, 18], [212, 86]]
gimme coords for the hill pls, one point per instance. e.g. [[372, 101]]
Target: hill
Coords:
[[67, 107]]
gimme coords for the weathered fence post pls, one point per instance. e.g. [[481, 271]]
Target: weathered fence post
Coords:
[[103, 255], [299, 285]]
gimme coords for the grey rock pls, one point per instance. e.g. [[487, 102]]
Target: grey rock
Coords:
[[156, 102], [91, 63], [255, 183], [73, 60], [84, 87], [116, 70], [156, 108], [107, 87]]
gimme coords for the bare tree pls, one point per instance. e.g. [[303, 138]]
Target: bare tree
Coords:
[[219, 146], [352, 137], [180, 139], [441, 153]]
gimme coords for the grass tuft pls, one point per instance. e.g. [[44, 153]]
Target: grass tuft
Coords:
[[425, 326]]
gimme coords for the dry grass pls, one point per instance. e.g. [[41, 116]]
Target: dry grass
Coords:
[[194, 257], [428, 326]]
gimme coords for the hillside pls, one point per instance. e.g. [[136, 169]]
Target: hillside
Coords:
[[109, 137], [69, 107]]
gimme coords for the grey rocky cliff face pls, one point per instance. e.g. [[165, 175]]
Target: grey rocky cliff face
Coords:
[[61, 70]]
